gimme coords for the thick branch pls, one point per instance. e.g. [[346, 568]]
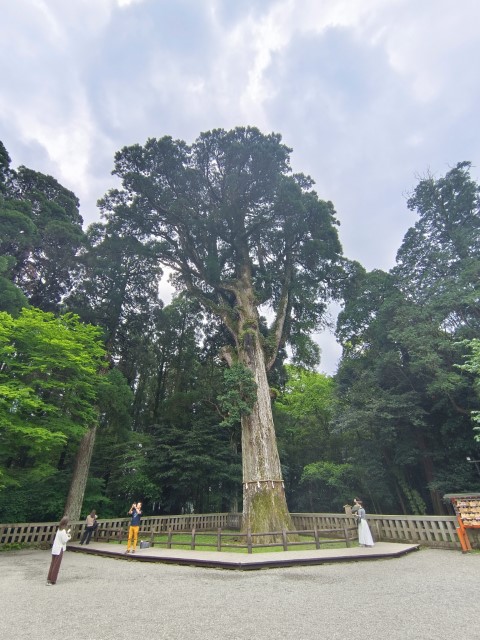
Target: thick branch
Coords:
[[279, 322]]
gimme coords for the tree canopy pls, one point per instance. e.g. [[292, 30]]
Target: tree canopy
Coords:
[[49, 372]]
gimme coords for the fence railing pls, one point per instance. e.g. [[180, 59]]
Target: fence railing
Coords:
[[225, 540], [44, 532], [430, 531]]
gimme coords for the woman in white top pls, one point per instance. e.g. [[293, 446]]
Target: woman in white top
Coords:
[[364, 535], [59, 546]]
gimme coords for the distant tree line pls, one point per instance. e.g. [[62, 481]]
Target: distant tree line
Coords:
[[107, 394]]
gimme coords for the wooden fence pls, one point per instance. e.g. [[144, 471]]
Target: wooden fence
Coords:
[[224, 540], [42, 533], [430, 531]]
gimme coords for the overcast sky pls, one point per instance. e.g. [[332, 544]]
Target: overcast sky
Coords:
[[370, 94]]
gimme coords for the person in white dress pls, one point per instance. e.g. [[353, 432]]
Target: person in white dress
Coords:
[[59, 546], [364, 534]]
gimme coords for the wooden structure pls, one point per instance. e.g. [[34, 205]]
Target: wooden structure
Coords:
[[430, 531], [116, 529], [287, 540], [467, 512]]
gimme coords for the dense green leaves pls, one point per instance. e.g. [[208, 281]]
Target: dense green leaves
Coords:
[[303, 416], [439, 260], [49, 368], [472, 365], [399, 383], [41, 234], [227, 215], [238, 395]]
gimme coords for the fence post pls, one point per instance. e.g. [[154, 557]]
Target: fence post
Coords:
[[284, 540], [169, 539], [192, 546], [249, 541], [219, 539], [317, 537], [347, 536]]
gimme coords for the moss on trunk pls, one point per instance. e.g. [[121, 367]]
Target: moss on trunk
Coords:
[[265, 510]]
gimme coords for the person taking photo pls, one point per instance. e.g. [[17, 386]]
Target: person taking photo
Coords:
[[136, 513]]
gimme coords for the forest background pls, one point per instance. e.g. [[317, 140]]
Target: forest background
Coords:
[[95, 368]]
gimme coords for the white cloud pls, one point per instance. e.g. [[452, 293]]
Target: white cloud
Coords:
[[368, 94], [127, 3]]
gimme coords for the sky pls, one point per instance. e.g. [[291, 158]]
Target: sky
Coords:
[[371, 95]]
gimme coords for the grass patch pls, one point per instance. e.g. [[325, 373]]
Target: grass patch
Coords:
[[208, 542], [18, 546]]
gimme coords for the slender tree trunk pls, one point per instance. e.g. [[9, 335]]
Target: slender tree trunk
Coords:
[[78, 483], [439, 508], [438, 505], [400, 497]]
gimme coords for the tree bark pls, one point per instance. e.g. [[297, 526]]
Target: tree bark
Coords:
[[264, 503], [81, 468]]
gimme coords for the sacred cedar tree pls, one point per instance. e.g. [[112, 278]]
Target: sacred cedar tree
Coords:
[[241, 233]]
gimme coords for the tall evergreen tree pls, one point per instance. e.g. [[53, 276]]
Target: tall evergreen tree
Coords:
[[239, 232], [41, 233], [399, 384]]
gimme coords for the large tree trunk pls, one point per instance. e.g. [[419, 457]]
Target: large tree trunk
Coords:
[[78, 483], [264, 503]]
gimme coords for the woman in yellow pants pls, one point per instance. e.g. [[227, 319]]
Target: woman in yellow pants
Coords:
[[136, 513]]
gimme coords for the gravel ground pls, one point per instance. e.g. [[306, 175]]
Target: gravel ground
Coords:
[[425, 595]]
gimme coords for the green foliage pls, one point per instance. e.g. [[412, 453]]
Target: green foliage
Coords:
[[11, 297], [472, 365], [4, 167], [331, 484], [48, 388], [233, 224], [239, 394], [118, 290], [306, 393], [416, 505], [303, 413], [444, 244], [186, 460], [191, 458], [399, 385], [41, 234]]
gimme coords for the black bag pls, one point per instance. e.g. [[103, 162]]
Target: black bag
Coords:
[[95, 525]]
